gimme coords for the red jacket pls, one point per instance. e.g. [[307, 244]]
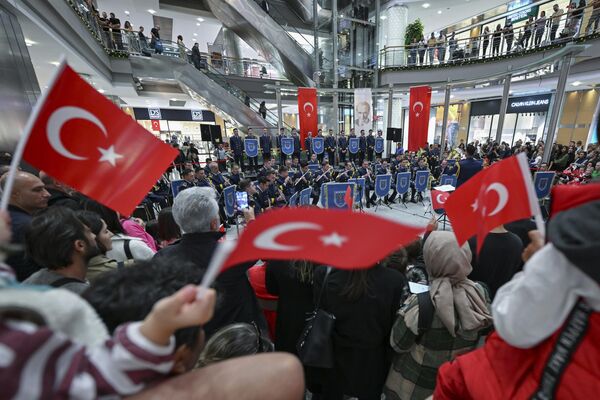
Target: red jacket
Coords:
[[501, 371]]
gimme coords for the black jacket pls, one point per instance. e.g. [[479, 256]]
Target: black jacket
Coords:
[[60, 198], [236, 301], [23, 265]]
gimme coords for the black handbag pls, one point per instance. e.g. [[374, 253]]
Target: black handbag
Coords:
[[315, 347]]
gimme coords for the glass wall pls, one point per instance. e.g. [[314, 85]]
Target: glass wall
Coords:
[[528, 127]]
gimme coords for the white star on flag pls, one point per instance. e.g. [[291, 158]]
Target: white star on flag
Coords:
[[333, 240], [109, 155]]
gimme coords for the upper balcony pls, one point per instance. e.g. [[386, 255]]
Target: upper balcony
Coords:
[[483, 50]]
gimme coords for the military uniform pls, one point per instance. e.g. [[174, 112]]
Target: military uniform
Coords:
[[378, 155], [265, 145], [369, 185], [297, 147], [370, 147], [343, 148], [252, 161], [308, 146], [237, 146], [362, 152], [355, 155], [282, 156], [330, 147]]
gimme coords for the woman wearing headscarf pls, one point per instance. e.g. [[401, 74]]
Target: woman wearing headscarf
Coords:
[[460, 311]]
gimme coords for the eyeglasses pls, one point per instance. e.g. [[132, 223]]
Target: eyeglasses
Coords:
[[259, 344]]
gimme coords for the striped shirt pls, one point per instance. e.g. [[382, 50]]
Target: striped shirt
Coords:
[[38, 363]]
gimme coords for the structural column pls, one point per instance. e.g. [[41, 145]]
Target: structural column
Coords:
[[390, 117], [559, 98], [445, 119], [503, 106], [279, 108], [316, 35]]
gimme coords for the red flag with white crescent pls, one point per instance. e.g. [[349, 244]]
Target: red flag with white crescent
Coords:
[[308, 112], [500, 194], [418, 117], [438, 199], [81, 138], [155, 125]]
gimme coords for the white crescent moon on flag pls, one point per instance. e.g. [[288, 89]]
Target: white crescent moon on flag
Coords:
[[308, 103], [267, 240], [502, 197], [62, 116], [418, 103], [442, 201]]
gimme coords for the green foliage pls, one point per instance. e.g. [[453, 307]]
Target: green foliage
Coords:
[[413, 30]]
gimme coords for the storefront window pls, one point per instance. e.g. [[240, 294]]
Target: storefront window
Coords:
[[530, 127]]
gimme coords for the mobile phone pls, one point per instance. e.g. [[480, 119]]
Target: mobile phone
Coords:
[[242, 200]]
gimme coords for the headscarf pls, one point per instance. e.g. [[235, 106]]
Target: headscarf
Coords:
[[452, 294]]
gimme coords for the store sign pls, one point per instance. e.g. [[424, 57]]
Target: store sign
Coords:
[[154, 113], [197, 115], [529, 104]]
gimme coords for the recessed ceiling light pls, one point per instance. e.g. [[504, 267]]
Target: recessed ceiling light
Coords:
[[383, 17], [197, 23], [101, 90], [576, 83], [55, 63], [439, 11], [29, 42], [425, 5], [151, 11], [195, 34], [200, 19], [126, 12]]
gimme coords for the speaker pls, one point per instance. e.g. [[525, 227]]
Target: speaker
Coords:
[[394, 134], [205, 132], [215, 134]]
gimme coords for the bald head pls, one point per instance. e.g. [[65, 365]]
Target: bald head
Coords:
[[214, 167], [28, 192]]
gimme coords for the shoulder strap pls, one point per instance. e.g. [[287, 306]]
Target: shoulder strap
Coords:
[[322, 288], [567, 343], [127, 249], [426, 312], [63, 281]]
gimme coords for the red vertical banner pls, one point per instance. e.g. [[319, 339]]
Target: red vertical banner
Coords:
[[418, 121], [156, 125], [307, 110]]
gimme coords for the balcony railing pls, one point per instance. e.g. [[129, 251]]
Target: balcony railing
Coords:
[[504, 42]]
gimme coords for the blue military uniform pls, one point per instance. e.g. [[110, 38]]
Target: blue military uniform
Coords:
[[343, 148], [330, 148], [308, 146], [252, 161], [362, 145], [296, 146], [237, 146], [352, 156], [370, 147], [282, 157], [265, 145], [467, 168], [369, 185]]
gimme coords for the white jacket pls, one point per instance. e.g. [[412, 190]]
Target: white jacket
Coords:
[[139, 250]]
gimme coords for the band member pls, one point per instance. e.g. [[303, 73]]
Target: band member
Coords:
[[188, 179], [285, 185], [347, 173], [370, 145], [379, 136], [420, 166], [201, 179], [385, 169], [322, 177], [313, 160], [362, 152], [355, 155], [295, 167], [330, 147], [247, 186], [320, 156], [305, 177], [400, 165], [265, 144], [297, 147], [342, 146], [218, 180], [252, 161], [308, 145], [236, 175], [237, 146], [365, 172], [282, 157], [263, 197], [266, 168]]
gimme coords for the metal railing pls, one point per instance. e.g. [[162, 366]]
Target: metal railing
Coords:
[[129, 42], [538, 34]]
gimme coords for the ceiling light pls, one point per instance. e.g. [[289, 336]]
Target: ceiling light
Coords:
[[55, 63], [151, 11], [195, 34], [425, 5], [451, 96], [197, 23], [383, 17], [29, 42], [576, 83], [101, 90], [435, 92], [173, 99], [126, 12], [200, 19], [439, 11]]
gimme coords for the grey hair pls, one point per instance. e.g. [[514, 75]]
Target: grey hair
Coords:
[[195, 208], [235, 340]]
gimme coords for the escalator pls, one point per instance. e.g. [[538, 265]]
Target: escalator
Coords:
[[248, 20]]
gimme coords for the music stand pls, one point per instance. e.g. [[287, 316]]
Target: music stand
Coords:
[[443, 216]]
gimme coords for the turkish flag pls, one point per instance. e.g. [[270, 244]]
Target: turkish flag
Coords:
[[348, 198], [81, 138], [500, 194], [307, 109], [565, 197], [418, 117], [438, 199], [155, 125], [331, 237]]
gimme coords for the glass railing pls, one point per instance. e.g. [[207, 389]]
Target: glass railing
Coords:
[[539, 34], [128, 42]]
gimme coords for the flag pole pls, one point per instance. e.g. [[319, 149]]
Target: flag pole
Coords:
[[534, 204], [20, 149], [222, 252]]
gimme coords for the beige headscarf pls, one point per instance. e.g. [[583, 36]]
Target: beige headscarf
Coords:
[[451, 292]]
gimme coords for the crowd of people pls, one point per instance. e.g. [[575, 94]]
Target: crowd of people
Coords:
[[538, 31]]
